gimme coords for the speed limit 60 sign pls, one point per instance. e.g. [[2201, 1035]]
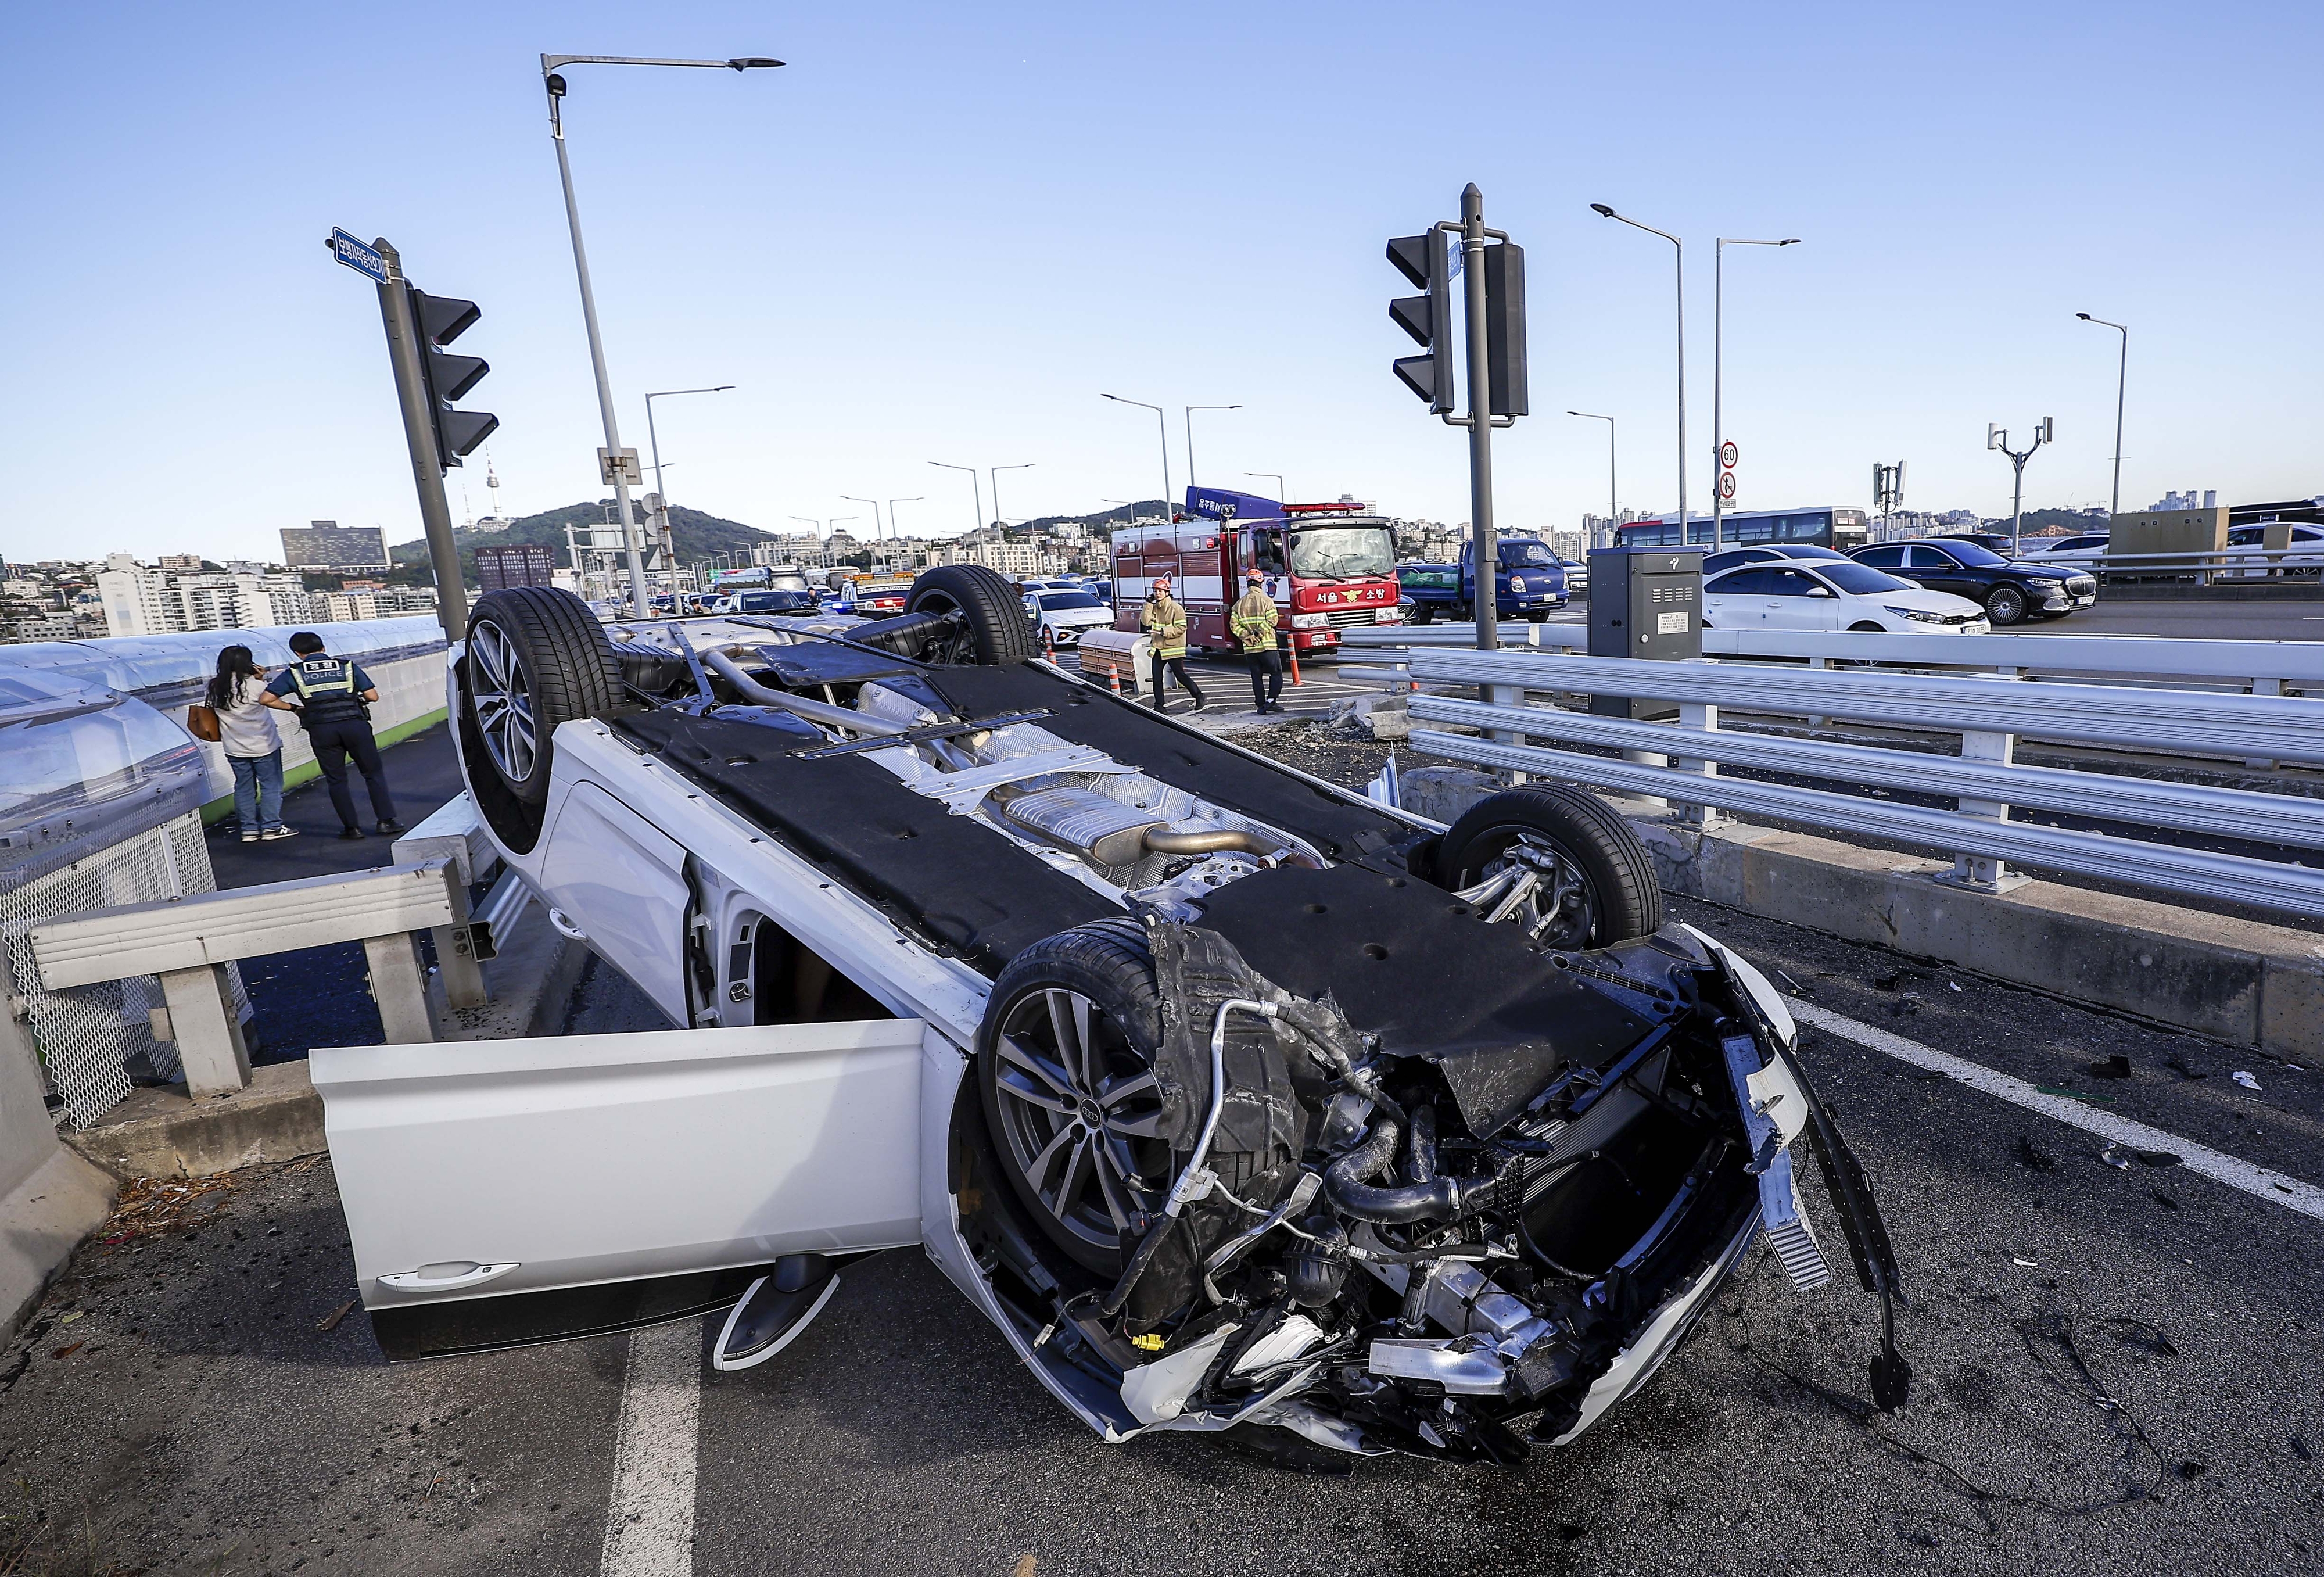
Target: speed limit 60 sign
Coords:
[[1729, 454]]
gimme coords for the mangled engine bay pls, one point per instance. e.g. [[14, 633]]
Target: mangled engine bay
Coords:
[[1279, 1136]]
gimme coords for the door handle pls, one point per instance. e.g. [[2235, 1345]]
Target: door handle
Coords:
[[475, 1275], [566, 927]]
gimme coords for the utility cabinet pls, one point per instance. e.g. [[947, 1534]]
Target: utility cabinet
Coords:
[[1643, 602]]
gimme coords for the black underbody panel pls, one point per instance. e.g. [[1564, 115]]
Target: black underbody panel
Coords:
[[1413, 965], [971, 892], [1179, 756]]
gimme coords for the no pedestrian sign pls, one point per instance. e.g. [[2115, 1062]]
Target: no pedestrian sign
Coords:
[[355, 255]]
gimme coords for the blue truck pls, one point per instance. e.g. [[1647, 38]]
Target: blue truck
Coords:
[[1529, 580]]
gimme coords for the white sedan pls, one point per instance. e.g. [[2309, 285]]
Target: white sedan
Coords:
[[1823, 595], [1064, 616]]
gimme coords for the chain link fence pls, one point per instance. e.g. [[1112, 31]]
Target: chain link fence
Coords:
[[96, 1042]]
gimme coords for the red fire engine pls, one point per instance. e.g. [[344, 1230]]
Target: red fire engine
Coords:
[[1328, 567]]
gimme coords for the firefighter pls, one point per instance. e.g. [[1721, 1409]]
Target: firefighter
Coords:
[[1164, 621], [333, 708], [1253, 623]]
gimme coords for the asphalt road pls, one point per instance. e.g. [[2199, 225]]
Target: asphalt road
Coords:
[[2118, 1373]]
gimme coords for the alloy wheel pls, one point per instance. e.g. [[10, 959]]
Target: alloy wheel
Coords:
[[1079, 1110], [501, 693]]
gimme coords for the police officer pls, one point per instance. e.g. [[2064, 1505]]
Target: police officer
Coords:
[[1166, 621], [332, 695], [1253, 624]]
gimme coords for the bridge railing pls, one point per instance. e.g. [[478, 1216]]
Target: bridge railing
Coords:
[[1987, 713]]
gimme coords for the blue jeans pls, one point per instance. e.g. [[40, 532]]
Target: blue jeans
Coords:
[[257, 791]]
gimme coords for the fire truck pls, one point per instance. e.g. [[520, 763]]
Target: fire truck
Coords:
[[874, 594], [1328, 567]]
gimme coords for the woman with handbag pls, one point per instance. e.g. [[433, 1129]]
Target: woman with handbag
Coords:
[[254, 747]]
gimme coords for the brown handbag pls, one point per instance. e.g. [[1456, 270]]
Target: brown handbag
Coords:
[[202, 722]]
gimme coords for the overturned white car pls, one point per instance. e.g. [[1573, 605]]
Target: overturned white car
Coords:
[[1238, 1103]]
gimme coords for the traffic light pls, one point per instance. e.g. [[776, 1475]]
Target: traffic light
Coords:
[[1505, 329], [1427, 317], [447, 377]]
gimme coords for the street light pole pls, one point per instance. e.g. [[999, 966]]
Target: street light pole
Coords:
[[1718, 370], [893, 529], [875, 522], [1162, 428], [653, 445], [555, 84], [1997, 438], [975, 488], [993, 475], [1190, 435], [2121, 379], [1680, 246], [1281, 494], [1613, 485]]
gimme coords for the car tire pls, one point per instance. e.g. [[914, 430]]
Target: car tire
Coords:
[[998, 631], [536, 658], [1423, 614], [1616, 897], [2004, 604], [1027, 1073]]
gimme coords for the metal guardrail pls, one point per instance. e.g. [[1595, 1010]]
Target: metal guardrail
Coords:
[[1988, 713], [2265, 667]]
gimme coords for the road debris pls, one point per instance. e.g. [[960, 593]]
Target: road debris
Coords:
[[2119, 1163], [154, 1206], [2030, 1264], [2030, 1154], [2245, 1079], [2117, 1066], [330, 1322]]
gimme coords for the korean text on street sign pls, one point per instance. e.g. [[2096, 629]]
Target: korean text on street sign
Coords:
[[346, 249]]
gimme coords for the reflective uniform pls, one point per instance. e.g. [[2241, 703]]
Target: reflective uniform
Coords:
[[1253, 622], [1165, 623], [338, 725]]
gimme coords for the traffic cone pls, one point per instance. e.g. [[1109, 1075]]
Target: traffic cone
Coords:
[[1113, 671], [1049, 644]]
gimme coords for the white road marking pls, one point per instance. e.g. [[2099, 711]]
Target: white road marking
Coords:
[[2260, 1182], [650, 1523]]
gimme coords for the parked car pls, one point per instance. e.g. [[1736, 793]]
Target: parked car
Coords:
[[1062, 615], [1577, 576], [1991, 541], [2303, 557], [1766, 553], [2007, 591], [1433, 590], [1235, 1101], [2085, 549], [1821, 596]]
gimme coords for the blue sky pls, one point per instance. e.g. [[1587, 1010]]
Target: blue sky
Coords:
[[941, 231]]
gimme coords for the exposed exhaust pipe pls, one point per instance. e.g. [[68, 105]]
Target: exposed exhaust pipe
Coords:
[[812, 711]]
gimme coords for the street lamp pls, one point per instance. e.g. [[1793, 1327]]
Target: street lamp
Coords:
[[1613, 485], [1718, 347], [992, 476], [1190, 435], [1162, 426], [875, 522], [653, 443], [555, 84], [895, 531], [1681, 275], [1281, 494], [2122, 376], [975, 489]]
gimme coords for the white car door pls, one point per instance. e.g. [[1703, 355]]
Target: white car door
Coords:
[[614, 877], [1797, 600], [1732, 600], [504, 1192]]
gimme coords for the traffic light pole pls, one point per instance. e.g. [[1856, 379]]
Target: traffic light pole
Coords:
[[1485, 540], [403, 351]]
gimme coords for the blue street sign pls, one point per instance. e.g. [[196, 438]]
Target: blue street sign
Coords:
[[357, 256]]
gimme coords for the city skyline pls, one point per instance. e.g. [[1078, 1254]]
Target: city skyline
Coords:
[[934, 237]]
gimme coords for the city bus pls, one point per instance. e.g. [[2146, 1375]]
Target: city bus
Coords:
[[1841, 529]]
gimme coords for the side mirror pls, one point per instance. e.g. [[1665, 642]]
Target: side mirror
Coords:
[[1817, 591]]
